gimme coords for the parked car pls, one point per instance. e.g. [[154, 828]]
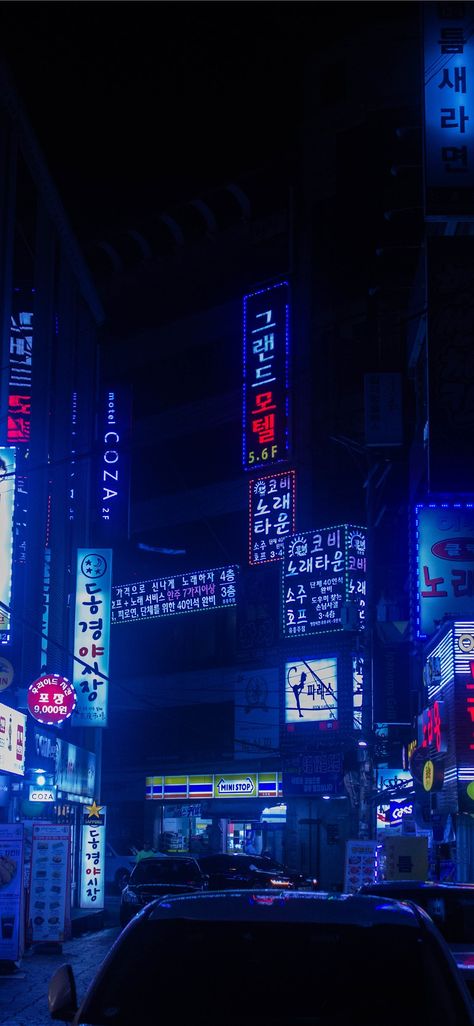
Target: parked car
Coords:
[[450, 906], [166, 874], [238, 870], [298, 957], [118, 866]]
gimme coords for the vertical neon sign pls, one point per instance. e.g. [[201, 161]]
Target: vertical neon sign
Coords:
[[266, 330], [7, 504]]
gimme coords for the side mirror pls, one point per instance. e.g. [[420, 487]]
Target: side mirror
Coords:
[[62, 995]]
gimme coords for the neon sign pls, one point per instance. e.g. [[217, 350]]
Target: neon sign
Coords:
[[445, 561], [266, 330], [19, 391], [193, 592], [51, 699], [271, 515], [7, 502], [323, 579], [92, 636], [113, 472], [449, 107], [432, 728]]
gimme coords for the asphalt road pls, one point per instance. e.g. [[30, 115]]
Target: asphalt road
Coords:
[[24, 994]]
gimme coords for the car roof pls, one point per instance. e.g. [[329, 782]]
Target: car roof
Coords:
[[416, 885], [295, 906]]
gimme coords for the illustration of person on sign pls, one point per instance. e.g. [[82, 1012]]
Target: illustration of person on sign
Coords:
[[297, 688]]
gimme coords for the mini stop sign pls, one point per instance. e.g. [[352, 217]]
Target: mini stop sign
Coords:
[[51, 699]]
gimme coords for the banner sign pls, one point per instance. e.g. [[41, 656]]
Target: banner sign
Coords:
[[311, 692], [113, 464], [7, 506], [266, 332], [214, 785], [271, 516], [12, 740], [93, 856], [11, 891], [361, 865], [445, 565], [49, 906], [194, 592], [19, 384], [323, 578], [449, 107], [92, 636]]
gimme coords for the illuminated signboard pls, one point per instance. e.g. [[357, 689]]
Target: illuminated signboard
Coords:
[[266, 331], [194, 592], [19, 385], [449, 107], [311, 692], [432, 728], [314, 774], [357, 690], [92, 636], [399, 809], [7, 505], [324, 579], [92, 893], [51, 699], [12, 740], [271, 515], [113, 465], [214, 785], [445, 564]]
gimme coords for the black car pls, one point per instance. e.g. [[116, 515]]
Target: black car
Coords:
[[156, 876], [291, 958], [450, 906], [230, 870]]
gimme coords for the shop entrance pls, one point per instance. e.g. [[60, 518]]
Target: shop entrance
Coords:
[[244, 836]]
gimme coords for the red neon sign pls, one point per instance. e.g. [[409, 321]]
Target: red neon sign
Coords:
[[51, 699]]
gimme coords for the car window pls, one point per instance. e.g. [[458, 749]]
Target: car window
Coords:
[[380, 966], [165, 871]]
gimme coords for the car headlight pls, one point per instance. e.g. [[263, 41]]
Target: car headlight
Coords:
[[130, 897]]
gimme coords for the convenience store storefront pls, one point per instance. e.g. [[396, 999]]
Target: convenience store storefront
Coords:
[[230, 812]]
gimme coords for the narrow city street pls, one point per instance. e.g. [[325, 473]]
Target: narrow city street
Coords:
[[24, 995]]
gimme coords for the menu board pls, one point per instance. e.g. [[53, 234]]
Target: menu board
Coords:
[[324, 580], [361, 865], [11, 891], [49, 898]]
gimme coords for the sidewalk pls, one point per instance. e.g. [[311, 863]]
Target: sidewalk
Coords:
[[24, 994]]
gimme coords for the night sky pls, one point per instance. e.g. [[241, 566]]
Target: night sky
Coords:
[[138, 105]]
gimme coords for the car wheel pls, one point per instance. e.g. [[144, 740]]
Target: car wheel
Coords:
[[122, 877]]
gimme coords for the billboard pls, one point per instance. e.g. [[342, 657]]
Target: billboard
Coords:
[[444, 536], [311, 691], [448, 108], [272, 515], [324, 578], [7, 506], [267, 784], [194, 592], [266, 342], [12, 740], [92, 636]]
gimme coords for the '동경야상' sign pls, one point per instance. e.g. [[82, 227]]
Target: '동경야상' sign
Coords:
[[92, 636]]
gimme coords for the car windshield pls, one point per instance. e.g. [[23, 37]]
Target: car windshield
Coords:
[[152, 871], [452, 911], [225, 972]]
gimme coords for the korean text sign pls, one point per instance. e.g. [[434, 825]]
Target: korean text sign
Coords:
[[19, 391], [93, 856], [266, 331], [7, 503], [271, 515], [324, 572], [92, 636], [193, 592], [449, 107], [445, 565]]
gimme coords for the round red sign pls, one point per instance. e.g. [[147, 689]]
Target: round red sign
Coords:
[[51, 699]]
